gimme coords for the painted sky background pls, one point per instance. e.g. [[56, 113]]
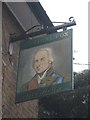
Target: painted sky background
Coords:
[[60, 11]]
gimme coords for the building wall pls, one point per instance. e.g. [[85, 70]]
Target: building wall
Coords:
[[9, 72], [89, 35], [0, 60]]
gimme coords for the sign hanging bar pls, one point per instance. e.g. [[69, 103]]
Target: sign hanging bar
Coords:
[[43, 31]]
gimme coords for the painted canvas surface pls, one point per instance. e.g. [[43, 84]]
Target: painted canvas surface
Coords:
[[45, 66]]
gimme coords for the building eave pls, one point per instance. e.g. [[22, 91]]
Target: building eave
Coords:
[[40, 14]]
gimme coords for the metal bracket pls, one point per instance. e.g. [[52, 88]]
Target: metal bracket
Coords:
[[43, 31], [71, 19], [10, 46]]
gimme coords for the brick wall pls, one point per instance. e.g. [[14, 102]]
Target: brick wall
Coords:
[[9, 73]]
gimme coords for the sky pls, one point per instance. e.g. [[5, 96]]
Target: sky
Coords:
[[60, 11]]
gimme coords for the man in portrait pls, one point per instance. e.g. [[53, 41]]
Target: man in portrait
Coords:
[[45, 74]]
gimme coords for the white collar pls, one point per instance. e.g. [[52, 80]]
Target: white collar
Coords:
[[41, 77]]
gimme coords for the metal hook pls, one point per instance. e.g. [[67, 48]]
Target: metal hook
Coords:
[[71, 19]]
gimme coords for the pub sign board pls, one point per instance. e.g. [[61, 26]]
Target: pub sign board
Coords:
[[45, 66]]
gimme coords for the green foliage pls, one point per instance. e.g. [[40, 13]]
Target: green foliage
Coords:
[[82, 79], [70, 104]]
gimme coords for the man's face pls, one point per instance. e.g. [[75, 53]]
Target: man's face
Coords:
[[41, 61]]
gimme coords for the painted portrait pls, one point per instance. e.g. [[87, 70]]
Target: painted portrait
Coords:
[[45, 73]]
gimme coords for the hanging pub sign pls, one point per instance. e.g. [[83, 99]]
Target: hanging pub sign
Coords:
[[45, 66]]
